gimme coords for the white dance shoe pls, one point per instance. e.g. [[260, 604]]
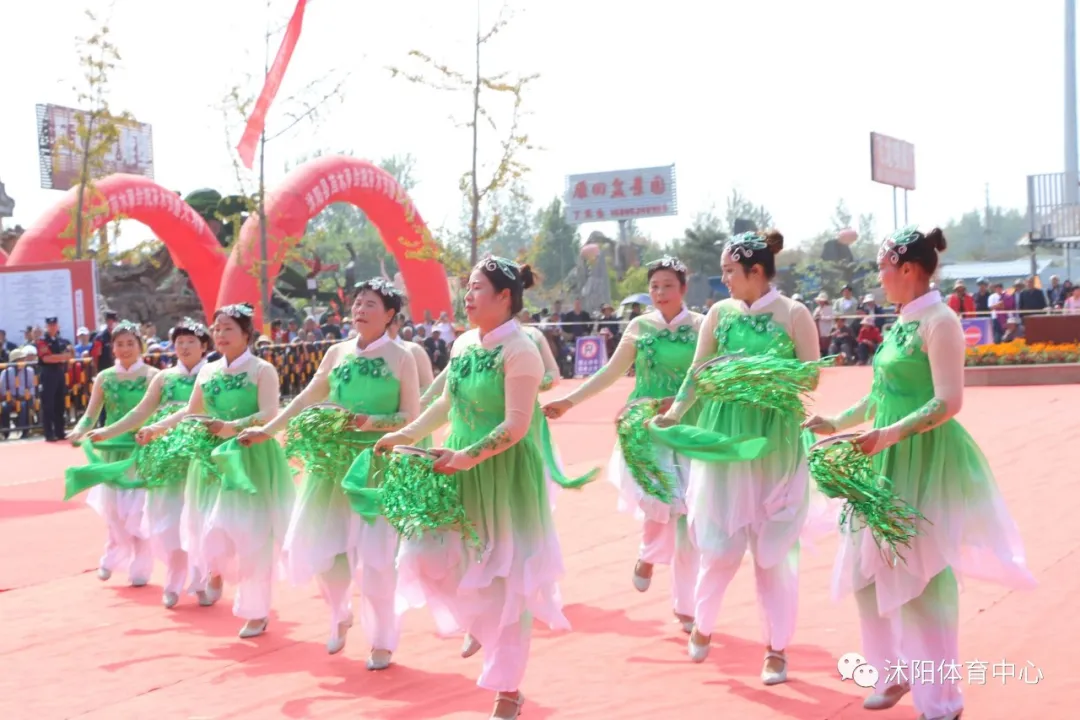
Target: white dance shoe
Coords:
[[697, 652], [103, 574], [379, 660], [470, 647], [336, 644], [253, 628], [888, 698], [686, 622], [210, 595], [955, 716], [139, 582], [642, 576], [169, 599], [511, 706], [774, 677]]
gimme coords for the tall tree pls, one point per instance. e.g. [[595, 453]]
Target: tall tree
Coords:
[[700, 246], [986, 235], [508, 169], [516, 226], [739, 208], [97, 128], [554, 251]]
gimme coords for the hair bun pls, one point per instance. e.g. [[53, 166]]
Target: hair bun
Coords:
[[936, 238], [774, 240], [527, 277]]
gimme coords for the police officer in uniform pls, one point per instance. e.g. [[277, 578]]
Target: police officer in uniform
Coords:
[[54, 352]]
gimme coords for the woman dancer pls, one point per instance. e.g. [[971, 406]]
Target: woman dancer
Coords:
[[234, 520], [490, 396], [909, 609], [375, 379], [169, 391], [660, 346], [760, 505], [118, 390]]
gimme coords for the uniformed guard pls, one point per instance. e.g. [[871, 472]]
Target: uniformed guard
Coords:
[[54, 352]]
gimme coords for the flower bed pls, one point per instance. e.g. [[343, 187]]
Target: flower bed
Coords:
[[1018, 352]]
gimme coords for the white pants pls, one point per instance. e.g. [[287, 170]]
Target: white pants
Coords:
[[176, 570], [924, 632], [253, 590], [121, 546], [664, 543], [379, 618], [506, 658], [777, 588]]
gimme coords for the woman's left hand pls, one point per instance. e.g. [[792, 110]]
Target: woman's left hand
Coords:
[[359, 421], [215, 427], [442, 462]]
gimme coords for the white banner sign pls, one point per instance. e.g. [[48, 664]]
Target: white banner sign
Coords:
[[621, 195]]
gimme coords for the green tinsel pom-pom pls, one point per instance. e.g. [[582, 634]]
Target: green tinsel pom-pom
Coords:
[[416, 500], [164, 460], [639, 451], [767, 381], [843, 471], [325, 440]]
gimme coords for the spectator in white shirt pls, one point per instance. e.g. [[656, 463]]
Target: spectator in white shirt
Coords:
[[823, 314], [846, 304], [996, 303], [445, 328]]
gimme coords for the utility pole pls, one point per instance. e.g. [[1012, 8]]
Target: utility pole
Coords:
[[265, 292], [1072, 162]]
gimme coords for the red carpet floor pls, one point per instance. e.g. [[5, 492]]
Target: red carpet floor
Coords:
[[73, 647]]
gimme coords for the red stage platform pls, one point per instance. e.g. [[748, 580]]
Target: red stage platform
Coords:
[[71, 646]]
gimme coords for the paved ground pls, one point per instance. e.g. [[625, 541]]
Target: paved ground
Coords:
[[71, 646]]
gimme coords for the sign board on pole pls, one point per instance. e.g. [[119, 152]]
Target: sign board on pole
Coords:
[[590, 354], [621, 195], [60, 156], [977, 331], [892, 161], [64, 290]]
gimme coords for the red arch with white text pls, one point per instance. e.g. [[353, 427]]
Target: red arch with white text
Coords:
[[304, 193], [190, 241]]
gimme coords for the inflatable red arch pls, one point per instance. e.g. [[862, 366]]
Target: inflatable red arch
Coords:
[[304, 193], [190, 241], [3, 258]]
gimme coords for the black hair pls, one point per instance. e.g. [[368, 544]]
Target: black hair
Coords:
[[127, 328], [391, 297], [244, 315], [756, 248], [505, 274], [912, 245], [195, 329], [671, 264]]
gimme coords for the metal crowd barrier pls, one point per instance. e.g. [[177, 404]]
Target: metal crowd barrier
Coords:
[[20, 405]]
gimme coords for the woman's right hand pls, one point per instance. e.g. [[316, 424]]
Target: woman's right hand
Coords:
[[557, 408], [146, 434], [390, 441], [663, 421], [819, 425], [252, 436]]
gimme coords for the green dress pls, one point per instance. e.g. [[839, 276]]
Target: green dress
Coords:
[[121, 509], [768, 495], [942, 473], [323, 524], [224, 527], [662, 359], [515, 569], [165, 495]]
